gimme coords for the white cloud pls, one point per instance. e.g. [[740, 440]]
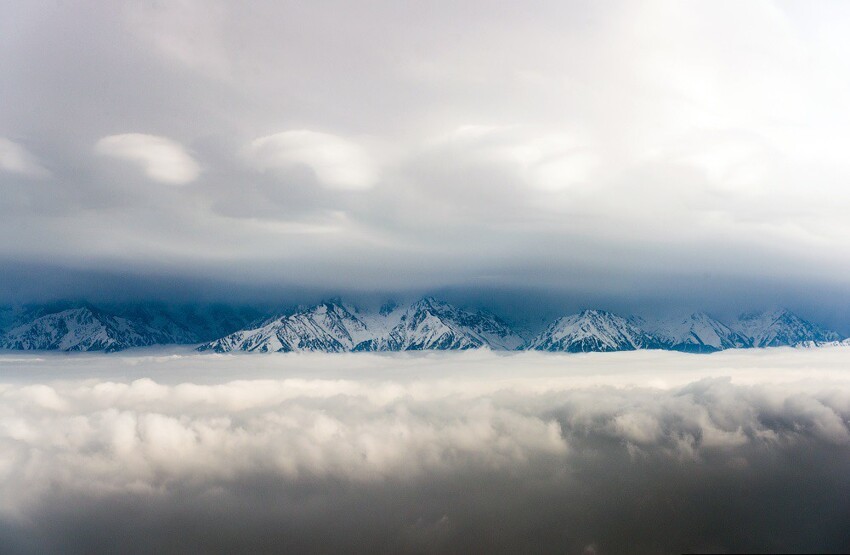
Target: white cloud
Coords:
[[507, 432], [16, 159], [390, 416], [338, 163], [162, 159]]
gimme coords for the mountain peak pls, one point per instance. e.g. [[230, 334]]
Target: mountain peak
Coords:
[[592, 330], [697, 332], [777, 327], [428, 323], [590, 312], [387, 308], [429, 302], [77, 329], [425, 325], [331, 301]]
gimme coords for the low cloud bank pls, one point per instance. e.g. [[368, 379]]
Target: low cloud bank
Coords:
[[379, 462]]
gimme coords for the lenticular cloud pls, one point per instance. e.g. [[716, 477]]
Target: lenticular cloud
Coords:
[[523, 452]]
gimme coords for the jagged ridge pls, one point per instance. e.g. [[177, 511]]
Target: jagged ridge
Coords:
[[87, 328], [427, 324], [80, 329], [433, 325], [698, 332], [593, 330], [781, 327], [327, 327]]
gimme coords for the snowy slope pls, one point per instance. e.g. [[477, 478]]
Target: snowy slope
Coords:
[[68, 326], [593, 330], [327, 327], [697, 332], [817, 344], [81, 329], [379, 323], [429, 324], [15, 316], [335, 327], [780, 327]]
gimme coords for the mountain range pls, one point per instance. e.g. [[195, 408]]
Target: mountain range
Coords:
[[426, 324], [84, 327]]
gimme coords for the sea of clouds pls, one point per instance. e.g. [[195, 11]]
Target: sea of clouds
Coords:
[[645, 452]]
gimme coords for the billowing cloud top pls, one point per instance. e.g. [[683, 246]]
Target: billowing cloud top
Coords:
[[598, 147], [162, 159], [471, 452]]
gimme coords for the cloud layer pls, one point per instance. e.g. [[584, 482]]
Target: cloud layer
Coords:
[[520, 452], [571, 145]]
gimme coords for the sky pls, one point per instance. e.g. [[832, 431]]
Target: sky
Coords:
[[633, 452], [616, 153]]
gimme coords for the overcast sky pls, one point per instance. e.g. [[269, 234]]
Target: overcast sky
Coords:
[[600, 148]]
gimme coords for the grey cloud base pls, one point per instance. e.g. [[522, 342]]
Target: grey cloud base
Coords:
[[486, 454], [650, 506], [595, 148]]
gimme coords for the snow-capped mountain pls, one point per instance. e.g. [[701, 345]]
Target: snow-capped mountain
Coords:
[[429, 324], [698, 332], [328, 327], [81, 329], [15, 316], [73, 327], [334, 327], [819, 344], [777, 328], [593, 330]]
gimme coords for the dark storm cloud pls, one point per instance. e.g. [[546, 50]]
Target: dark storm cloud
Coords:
[[487, 454], [570, 146]]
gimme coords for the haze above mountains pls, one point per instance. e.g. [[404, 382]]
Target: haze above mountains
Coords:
[[427, 324]]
